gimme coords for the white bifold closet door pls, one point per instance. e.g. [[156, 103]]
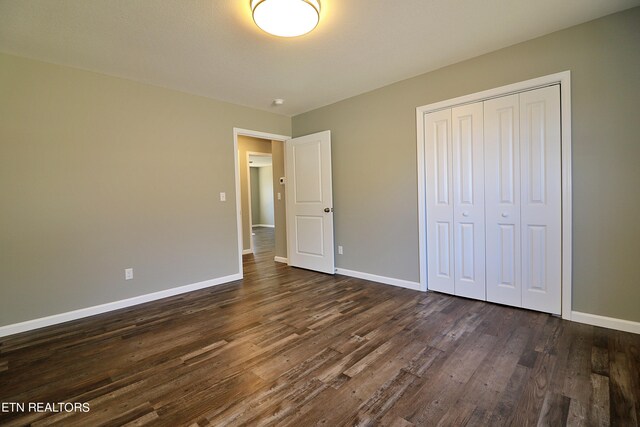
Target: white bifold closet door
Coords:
[[493, 187], [523, 199], [438, 165], [455, 201], [502, 197], [468, 201], [541, 199]]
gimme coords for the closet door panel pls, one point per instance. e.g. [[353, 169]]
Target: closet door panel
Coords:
[[541, 203], [468, 200], [502, 199], [439, 175]]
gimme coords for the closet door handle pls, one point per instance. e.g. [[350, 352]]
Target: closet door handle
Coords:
[[465, 214], [504, 215]]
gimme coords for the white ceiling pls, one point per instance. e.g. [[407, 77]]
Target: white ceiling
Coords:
[[212, 48]]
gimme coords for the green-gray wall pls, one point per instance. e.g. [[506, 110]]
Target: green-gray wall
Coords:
[[279, 206], [98, 174], [374, 157]]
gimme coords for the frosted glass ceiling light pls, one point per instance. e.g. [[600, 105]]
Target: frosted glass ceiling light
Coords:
[[286, 18]]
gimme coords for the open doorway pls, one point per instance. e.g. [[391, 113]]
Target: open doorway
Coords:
[[264, 211], [261, 202]]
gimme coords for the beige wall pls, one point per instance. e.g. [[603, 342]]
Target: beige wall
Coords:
[[374, 157], [279, 211], [254, 178], [248, 144], [98, 174]]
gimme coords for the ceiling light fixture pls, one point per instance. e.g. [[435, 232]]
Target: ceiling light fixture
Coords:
[[286, 18]]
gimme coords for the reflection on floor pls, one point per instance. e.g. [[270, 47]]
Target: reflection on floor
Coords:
[[263, 240]]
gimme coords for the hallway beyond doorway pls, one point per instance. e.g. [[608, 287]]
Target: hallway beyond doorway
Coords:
[[263, 240]]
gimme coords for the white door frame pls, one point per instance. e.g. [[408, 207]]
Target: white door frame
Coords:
[[562, 78], [256, 134], [254, 154]]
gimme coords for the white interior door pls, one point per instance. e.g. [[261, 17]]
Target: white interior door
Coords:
[[468, 200], [439, 192], [502, 199], [310, 202], [541, 199]]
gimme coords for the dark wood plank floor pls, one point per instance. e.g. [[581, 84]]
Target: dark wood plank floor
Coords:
[[295, 348]]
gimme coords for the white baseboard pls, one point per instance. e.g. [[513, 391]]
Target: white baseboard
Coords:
[[247, 251], [111, 306], [281, 259], [380, 279], [606, 322], [264, 225]]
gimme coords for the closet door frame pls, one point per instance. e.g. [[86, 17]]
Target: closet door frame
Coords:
[[563, 79]]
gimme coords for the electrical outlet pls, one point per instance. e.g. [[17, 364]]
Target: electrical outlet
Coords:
[[128, 273], [223, 197], [279, 196], [340, 250]]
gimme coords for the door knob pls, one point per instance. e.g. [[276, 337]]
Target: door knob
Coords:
[[504, 214], [327, 210], [465, 213]]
